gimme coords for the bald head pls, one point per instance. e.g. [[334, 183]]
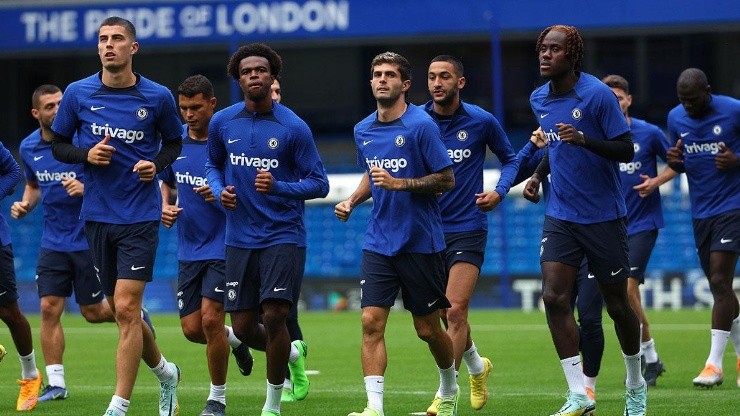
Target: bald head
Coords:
[[694, 92]]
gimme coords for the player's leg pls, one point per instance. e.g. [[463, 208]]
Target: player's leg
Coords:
[[53, 345], [20, 331], [560, 258], [217, 351], [380, 287], [589, 304], [605, 245], [718, 244]]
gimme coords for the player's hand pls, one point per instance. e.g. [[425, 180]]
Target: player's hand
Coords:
[[569, 134], [487, 201], [531, 190], [538, 138], [726, 159], [101, 153], [343, 210], [228, 198], [382, 179], [146, 170], [674, 155], [264, 181], [205, 192], [169, 215], [647, 186], [19, 209], [73, 187]]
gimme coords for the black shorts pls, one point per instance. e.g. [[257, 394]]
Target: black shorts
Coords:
[[58, 273], [640, 248], [197, 280], [254, 275], [8, 288], [122, 251], [604, 244], [419, 277], [718, 233], [468, 247]]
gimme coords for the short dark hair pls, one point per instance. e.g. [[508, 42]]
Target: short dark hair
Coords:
[[43, 90], [120, 21], [194, 85], [404, 67], [693, 77], [573, 43], [616, 81], [456, 63], [254, 49]]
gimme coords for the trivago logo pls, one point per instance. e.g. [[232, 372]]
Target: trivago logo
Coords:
[[458, 155], [128, 136], [188, 179], [552, 136], [631, 167], [255, 162], [713, 147], [392, 165], [54, 176]]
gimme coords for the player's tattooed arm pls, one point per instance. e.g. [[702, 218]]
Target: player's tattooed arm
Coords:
[[437, 182]]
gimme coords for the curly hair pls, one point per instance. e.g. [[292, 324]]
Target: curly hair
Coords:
[[254, 49], [573, 43]]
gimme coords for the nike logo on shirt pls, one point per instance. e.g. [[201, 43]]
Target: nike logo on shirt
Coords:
[[684, 134], [181, 157], [93, 108], [232, 141], [36, 158], [365, 143], [544, 115]]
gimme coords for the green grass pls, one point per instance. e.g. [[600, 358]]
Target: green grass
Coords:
[[526, 379]]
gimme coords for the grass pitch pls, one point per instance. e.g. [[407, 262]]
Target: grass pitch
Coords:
[[526, 378]]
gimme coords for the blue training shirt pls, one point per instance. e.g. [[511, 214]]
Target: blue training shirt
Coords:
[[137, 119], [466, 135], [201, 225], [10, 175], [585, 187], [278, 141], [63, 229], [643, 214], [711, 191], [409, 147]]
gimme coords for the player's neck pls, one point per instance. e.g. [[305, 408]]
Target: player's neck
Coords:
[[47, 134], [261, 106], [393, 112], [118, 79], [198, 135], [565, 83], [447, 109]]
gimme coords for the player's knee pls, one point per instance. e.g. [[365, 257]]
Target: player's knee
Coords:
[[193, 334], [372, 326], [556, 302], [457, 314], [212, 322]]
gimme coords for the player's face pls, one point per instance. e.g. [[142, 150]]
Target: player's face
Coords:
[[444, 83], [552, 58], [197, 111], [387, 85], [694, 99], [625, 100], [255, 78], [115, 47], [47, 110], [275, 91]]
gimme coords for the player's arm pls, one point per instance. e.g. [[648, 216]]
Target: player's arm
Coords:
[[64, 151], [434, 183], [170, 150], [29, 200], [169, 199], [531, 190], [343, 209], [649, 184], [501, 147]]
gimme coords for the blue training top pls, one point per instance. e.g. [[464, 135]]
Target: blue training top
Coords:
[[63, 229], [278, 141], [711, 191], [466, 135], [585, 187], [643, 214], [409, 147], [201, 225], [10, 175], [137, 119]]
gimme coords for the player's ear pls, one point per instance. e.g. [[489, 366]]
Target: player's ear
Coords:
[[461, 82], [134, 48], [35, 113]]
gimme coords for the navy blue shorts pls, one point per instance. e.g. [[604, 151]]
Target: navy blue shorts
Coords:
[[58, 273], [8, 289], [419, 277], [468, 247], [604, 244], [718, 233], [254, 275], [197, 280], [122, 251], [640, 248]]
